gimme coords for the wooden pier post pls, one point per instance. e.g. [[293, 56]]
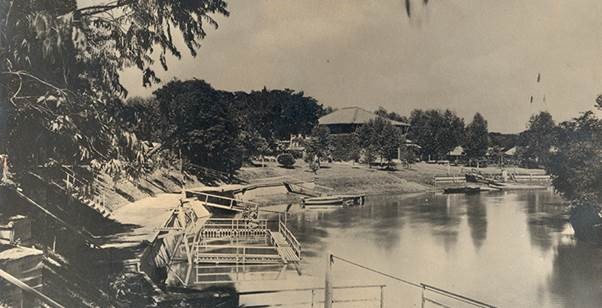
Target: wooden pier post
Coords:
[[328, 282]]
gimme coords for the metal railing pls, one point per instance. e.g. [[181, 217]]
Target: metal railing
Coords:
[[239, 253], [94, 190], [315, 296], [449, 179], [236, 224], [424, 287], [451, 295], [246, 228], [290, 238]]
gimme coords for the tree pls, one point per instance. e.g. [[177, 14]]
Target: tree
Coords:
[[504, 141], [537, 141], [277, 114], [140, 116], [345, 147], [379, 138], [577, 172], [576, 163], [319, 144], [382, 112], [326, 110], [477, 138], [438, 132], [198, 122], [59, 67]]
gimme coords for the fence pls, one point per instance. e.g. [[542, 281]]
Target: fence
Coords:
[[290, 238], [449, 179], [93, 190], [426, 288], [272, 241], [345, 299]]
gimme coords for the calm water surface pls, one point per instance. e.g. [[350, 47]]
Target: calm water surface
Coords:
[[511, 249]]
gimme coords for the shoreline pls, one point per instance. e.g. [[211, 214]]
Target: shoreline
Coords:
[[346, 178]]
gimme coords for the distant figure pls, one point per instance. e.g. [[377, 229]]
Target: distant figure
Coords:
[[504, 175], [253, 220], [314, 165]]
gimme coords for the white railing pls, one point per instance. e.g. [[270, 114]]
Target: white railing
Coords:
[[449, 179], [290, 238], [236, 224], [94, 191], [315, 294], [426, 288]]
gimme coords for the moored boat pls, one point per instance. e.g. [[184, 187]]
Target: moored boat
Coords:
[[333, 201], [469, 189], [322, 202]]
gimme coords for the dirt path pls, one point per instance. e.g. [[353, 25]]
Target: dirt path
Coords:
[[143, 217]]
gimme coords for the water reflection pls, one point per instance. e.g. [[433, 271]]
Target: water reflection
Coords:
[[511, 249], [576, 275], [477, 220], [507, 248]]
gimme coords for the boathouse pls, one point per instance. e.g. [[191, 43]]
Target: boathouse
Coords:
[[347, 120], [342, 123]]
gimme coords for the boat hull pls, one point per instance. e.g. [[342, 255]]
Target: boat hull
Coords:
[[333, 201]]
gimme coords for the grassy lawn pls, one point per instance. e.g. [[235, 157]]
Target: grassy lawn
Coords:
[[358, 178]]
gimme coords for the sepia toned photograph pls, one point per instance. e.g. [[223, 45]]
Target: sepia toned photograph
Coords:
[[301, 153]]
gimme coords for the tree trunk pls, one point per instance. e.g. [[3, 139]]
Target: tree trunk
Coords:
[[4, 103], [4, 109]]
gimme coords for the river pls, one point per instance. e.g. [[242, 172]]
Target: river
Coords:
[[510, 249]]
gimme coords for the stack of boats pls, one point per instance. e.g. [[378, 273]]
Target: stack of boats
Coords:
[[480, 183]]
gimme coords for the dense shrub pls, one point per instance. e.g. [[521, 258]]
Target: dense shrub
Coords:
[[286, 160]]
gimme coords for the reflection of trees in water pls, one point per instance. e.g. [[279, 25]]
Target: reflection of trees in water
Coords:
[[442, 213], [545, 217], [476, 210], [388, 222], [577, 275]]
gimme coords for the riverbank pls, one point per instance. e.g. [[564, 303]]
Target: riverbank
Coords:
[[347, 178]]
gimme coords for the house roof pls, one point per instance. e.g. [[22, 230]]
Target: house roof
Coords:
[[353, 115], [511, 152], [410, 143], [458, 151]]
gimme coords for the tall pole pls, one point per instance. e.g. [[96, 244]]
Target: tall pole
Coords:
[[328, 282]]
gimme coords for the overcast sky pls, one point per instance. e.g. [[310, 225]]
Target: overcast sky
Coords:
[[465, 55]]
